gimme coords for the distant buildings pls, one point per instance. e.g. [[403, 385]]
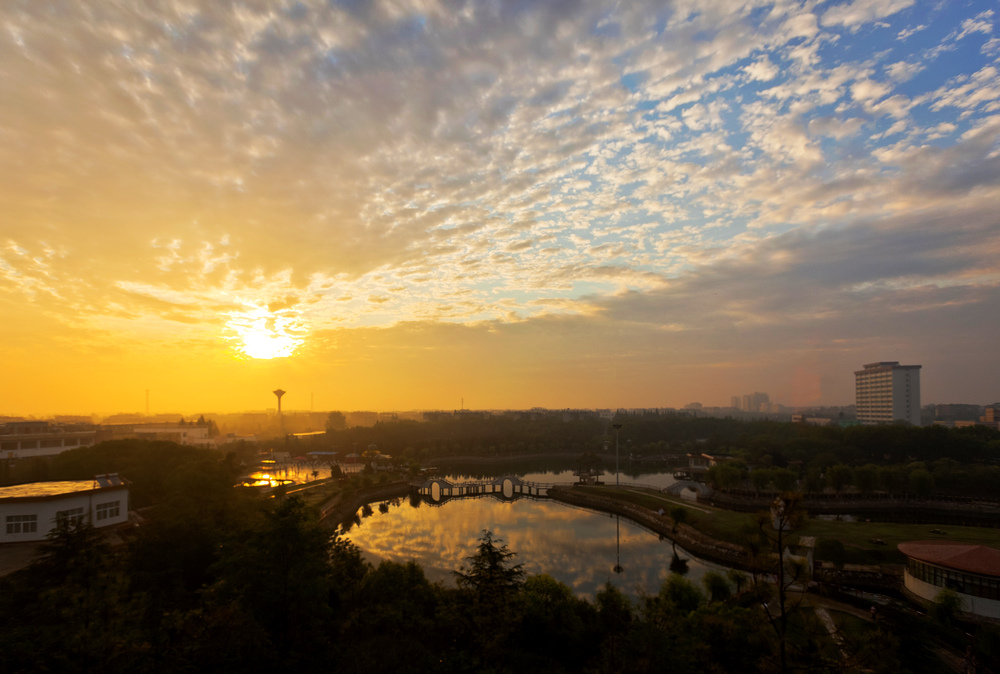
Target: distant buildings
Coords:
[[191, 434], [991, 416], [756, 402], [30, 439], [886, 392]]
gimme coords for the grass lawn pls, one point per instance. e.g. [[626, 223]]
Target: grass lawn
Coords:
[[316, 493], [717, 523], [856, 536]]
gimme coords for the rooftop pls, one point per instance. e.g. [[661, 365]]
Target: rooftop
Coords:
[[58, 488], [959, 556]]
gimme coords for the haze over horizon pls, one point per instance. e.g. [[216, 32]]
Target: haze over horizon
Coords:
[[397, 204]]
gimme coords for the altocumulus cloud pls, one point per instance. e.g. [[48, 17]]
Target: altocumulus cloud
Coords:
[[731, 176]]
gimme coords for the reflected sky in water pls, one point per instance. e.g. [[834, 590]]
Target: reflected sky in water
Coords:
[[660, 480], [576, 546]]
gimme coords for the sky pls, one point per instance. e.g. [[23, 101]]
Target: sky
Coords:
[[425, 204]]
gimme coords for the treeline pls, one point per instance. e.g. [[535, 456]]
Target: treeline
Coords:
[[769, 455], [944, 477], [471, 436], [768, 442], [220, 579], [262, 587]]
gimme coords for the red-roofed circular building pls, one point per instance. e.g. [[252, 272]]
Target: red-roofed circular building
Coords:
[[972, 571]]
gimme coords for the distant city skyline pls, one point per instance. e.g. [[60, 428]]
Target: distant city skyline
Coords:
[[397, 205]]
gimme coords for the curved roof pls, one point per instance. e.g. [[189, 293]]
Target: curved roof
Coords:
[[959, 556]]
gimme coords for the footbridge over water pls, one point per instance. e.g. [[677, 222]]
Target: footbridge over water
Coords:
[[507, 488], [680, 485]]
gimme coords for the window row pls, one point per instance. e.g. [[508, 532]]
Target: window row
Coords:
[[71, 516], [22, 524], [966, 583], [35, 444], [28, 524], [107, 510]]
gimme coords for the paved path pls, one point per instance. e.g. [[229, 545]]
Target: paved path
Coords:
[[675, 501], [16, 556]]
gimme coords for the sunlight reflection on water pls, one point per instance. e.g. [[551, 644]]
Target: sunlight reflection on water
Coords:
[[576, 546]]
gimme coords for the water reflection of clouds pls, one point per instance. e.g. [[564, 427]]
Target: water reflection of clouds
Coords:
[[578, 547]]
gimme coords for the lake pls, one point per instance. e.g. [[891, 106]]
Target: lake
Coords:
[[576, 546]]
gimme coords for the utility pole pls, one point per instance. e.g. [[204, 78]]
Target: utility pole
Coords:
[[617, 428]]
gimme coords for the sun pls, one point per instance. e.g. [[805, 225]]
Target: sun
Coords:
[[261, 333]]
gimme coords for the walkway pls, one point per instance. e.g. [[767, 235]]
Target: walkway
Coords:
[[673, 501]]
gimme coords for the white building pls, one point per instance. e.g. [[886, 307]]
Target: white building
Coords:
[[887, 391], [972, 571], [188, 434], [28, 512]]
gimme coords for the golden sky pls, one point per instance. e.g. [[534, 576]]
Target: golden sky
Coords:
[[401, 204]]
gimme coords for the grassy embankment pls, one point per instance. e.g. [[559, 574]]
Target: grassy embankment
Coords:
[[857, 537]]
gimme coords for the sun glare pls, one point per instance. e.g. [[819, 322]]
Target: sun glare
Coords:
[[259, 333]]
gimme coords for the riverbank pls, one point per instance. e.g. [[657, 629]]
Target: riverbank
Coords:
[[896, 508], [689, 538], [341, 508]]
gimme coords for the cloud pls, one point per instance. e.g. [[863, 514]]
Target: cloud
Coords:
[[370, 165], [853, 14], [762, 70], [902, 71], [982, 23], [908, 32]]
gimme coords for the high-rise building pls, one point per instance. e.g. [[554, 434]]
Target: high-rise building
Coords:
[[886, 392]]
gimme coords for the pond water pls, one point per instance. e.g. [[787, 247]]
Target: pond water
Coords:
[[659, 480], [578, 547]]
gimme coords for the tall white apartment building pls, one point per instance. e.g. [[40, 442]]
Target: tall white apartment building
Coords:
[[887, 391]]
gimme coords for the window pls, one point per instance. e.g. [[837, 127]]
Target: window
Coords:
[[22, 524], [107, 510], [69, 517]]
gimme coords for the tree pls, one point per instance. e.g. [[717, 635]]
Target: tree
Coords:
[[615, 615], [866, 478], [681, 593], [491, 574], [921, 482], [493, 582], [761, 478], [725, 476], [773, 528], [75, 611], [557, 627], [737, 578], [946, 607], [279, 572], [784, 479], [839, 476], [336, 421], [717, 586]]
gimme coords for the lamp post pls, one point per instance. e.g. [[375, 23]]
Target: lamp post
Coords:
[[617, 428], [618, 546]]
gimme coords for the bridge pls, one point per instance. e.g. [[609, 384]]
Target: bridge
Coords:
[[506, 488], [680, 485]]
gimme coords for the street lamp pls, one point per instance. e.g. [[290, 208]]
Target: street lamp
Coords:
[[617, 428]]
